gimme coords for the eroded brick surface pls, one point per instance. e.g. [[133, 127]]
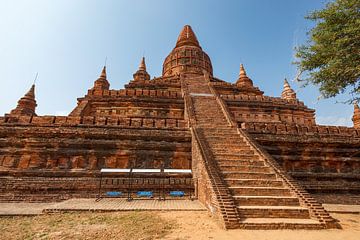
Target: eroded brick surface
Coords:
[[252, 155]]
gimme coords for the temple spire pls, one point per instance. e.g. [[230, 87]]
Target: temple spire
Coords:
[[103, 73], [26, 105], [141, 73], [242, 72], [356, 115], [31, 93], [243, 80], [187, 56], [187, 37], [101, 83], [142, 65], [288, 93]]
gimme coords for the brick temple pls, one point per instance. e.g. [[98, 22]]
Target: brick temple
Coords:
[[258, 162]]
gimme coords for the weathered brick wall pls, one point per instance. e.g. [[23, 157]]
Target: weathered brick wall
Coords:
[[114, 121], [159, 93], [251, 108], [42, 145], [130, 106], [62, 185], [158, 98], [324, 159]]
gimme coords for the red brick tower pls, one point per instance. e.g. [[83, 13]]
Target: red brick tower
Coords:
[[101, 83], [26, 105], [187, 56], [244, 80], [245, 83], [141, 73]]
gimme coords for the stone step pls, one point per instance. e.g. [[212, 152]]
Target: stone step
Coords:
[[248, 175], [253, 182], [232, 148], [238, 151], [226, 143], [266, 201], [260, 191], [239, 162], [225, 151], [223, 131], [273, 212], [245, 155], [205, 124], [262, 169], [216, 141], [211, 118], [222, 140], [225, 128], [279, 223], [211, 114], [208, 113], [210, 123], [224, 134]]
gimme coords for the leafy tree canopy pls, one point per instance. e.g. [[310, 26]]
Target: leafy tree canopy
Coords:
[[331, 57]]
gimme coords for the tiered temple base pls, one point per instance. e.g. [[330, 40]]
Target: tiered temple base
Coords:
[[252, 156]]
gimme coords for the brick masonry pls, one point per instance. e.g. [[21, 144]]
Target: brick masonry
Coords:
[[247, 150]]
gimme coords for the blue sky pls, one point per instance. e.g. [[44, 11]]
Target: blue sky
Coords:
[[66, 42]]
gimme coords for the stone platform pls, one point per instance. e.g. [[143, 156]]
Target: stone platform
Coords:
[[117, 204], [104, 205], [342, 208]]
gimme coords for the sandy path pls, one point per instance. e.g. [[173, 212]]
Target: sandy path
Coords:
[[200, 226]]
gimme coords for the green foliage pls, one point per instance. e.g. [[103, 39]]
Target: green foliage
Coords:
[[331, 57]]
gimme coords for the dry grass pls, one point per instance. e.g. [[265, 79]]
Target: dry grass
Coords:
[[122, 225], [167, 225]]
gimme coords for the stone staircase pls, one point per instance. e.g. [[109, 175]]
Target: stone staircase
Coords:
[[262, 199]]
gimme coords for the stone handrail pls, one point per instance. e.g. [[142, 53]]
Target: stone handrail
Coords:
[[188, 104], [224, 200]]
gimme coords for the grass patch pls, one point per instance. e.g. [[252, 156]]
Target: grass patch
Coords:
[[120, 225]]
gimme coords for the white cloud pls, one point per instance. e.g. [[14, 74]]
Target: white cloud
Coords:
[[56, 113], [334, 121]]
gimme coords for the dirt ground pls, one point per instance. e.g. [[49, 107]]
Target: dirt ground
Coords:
[[179, 225], [200, 226], [87, 225]]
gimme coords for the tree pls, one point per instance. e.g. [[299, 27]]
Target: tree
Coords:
[[331, 57]]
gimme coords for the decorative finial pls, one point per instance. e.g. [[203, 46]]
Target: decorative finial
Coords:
[[36, 76], [244, 80], [141, 74], [288, 93], [31, 92], [142, 65], [103, 73], [242, 70], [187, 37], [26, 105], [101, 83]]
